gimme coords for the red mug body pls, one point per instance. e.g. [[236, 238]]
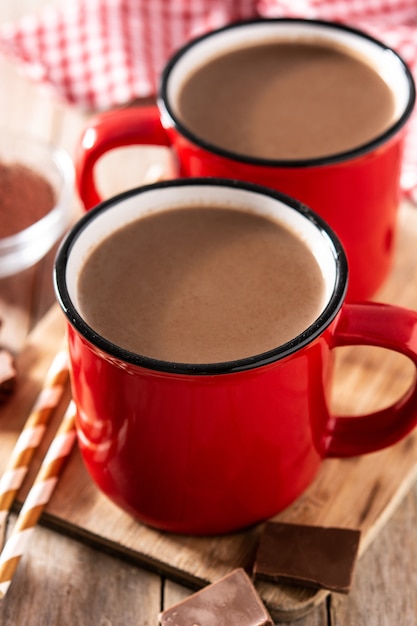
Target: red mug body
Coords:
[[357, 192], [214, 448], [200, 453]]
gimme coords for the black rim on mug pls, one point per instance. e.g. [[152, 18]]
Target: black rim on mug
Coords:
[[76, 245], [193, 54]]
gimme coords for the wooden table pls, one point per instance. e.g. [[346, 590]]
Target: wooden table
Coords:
[[64, 581]]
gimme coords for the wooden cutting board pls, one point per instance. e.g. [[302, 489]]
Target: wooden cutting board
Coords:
[[355, 493]]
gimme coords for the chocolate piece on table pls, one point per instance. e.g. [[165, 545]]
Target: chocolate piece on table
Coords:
[[7, 374], [230, 601], [309, 556]]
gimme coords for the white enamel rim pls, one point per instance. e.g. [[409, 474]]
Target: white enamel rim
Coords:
[[387, 63], [97, 224]]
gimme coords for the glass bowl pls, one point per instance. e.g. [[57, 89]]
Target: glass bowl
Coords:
[[24, 248]]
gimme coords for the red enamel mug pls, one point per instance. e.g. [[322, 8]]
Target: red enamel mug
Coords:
[[184, 447], [357, 191]]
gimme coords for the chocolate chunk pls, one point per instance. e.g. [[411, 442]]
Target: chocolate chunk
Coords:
[[7, 375], [230, 601], [310, 556]]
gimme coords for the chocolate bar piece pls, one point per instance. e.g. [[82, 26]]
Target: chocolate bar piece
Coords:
[[310, 556], [230, 601], [7, 374]]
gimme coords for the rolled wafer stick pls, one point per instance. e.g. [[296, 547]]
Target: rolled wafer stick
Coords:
[[37, 498], [33, 431]]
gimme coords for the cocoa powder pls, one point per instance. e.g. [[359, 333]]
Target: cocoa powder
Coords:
[[25, 197]]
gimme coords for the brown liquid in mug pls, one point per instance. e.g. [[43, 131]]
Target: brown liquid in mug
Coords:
[[201, 285], [286, 101]]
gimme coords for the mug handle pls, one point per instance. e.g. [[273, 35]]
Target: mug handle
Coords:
[[385, 326], [107, 131]]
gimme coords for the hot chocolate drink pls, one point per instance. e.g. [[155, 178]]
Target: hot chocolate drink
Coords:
[[201, 285], [286, 100]]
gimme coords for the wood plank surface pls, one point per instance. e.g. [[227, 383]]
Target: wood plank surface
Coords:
[[360, 492], [387, 570], [65, 582], [59, 581]]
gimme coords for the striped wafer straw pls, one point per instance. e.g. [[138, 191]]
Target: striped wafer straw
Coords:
[[37, 498], [33, 431]]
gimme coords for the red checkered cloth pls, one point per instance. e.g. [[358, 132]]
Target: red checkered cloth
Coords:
[[101, 53]]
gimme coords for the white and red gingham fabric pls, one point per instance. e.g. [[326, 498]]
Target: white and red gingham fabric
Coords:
[[97, 54]]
